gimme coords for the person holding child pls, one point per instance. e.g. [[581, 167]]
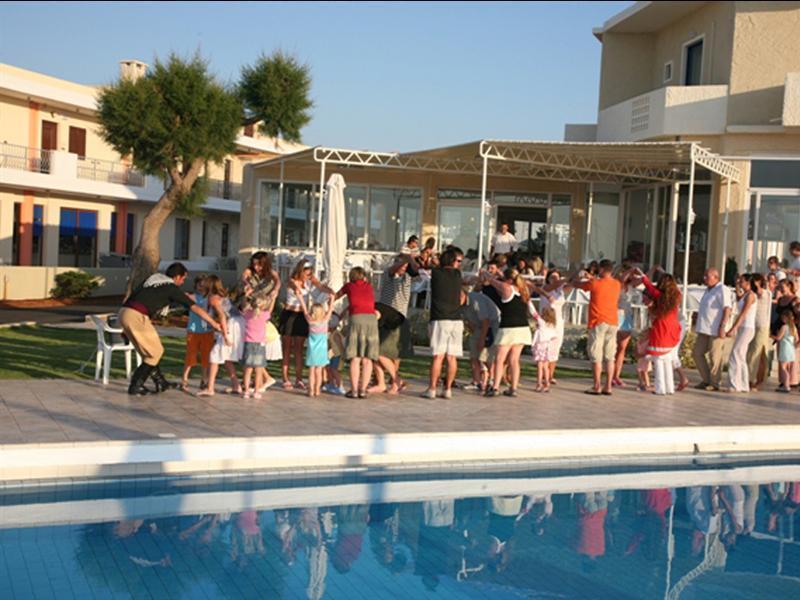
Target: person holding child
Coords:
[[787, 341], [317, 353], [199, 336], [544, 342], [363, 340], [256, 316], [293, 326], [665, 329], [229, 345]]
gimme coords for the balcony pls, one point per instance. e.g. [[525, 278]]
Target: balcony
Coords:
[[22, 158], [109, 172], [227, 190], [666, 112], [54, 170]]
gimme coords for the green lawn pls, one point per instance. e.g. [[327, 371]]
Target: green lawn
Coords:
[[48, 352]]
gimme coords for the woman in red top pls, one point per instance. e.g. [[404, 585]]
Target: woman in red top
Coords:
[[363, 342], [665, 329]]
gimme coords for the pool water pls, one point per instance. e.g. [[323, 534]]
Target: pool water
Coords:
[[678, 531]]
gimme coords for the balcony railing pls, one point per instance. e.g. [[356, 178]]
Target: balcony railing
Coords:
[[23, 158], [224, 189], [109, 171]]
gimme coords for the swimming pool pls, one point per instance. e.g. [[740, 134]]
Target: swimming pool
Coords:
[[651, 531]]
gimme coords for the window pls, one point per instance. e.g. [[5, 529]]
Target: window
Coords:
[[355, 202], [775, 174], [298, 215], [774, 223], [459, 220], [181, 239], [129, 234], [249, 130], [667, 71], [602, 240], [77, 238], [225, 240], [694, 63], [226, 184], [203, 240], [112, 234], [37, 237], [112, 241], [558, 244], [77, 141], [49, 135]]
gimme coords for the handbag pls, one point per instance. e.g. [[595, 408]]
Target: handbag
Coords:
[[270, 333]]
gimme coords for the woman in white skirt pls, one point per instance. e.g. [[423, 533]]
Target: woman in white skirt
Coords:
[[515, 331], [744, 329], [229, 345]]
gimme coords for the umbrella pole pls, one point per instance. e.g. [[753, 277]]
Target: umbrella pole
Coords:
[[318, 247], [586, 238], [687, 244], [725, 230], [483, 212]]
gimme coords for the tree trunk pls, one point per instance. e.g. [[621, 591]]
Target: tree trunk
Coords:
[[147, 254]]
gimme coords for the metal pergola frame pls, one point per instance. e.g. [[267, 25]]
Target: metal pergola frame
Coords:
[[576, 162]]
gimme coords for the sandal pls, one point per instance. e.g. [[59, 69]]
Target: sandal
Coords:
[[351, 394], [362, 394], [204, 393], [237, 391], [300, 385], [682, 387], [184, 386], [593, 392], [287, 385]]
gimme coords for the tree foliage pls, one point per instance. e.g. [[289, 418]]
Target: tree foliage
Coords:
[[275, 92], [177, 119], [175, 114]]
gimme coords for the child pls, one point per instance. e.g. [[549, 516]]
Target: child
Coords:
[[199, 337], [255, 323], [317, 355], [272, 342], [229, 343], [786, 340], [335, 351], [546, 335], [363, 342], [643, 366]]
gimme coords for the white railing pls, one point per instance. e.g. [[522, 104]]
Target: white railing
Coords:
[[22, 158], [109, 171], [228, 190]]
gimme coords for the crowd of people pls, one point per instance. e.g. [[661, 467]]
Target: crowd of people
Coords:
[[514, 303]]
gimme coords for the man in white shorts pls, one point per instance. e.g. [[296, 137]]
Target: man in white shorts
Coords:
[[446, 328]]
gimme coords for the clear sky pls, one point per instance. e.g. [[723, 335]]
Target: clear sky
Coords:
[[386, 76]]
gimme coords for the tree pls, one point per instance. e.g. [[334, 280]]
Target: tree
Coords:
[[177, 118]]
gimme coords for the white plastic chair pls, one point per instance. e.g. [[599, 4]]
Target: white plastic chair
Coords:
[[105, 348]]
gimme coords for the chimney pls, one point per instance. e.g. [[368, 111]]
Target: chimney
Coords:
[[132, 69]]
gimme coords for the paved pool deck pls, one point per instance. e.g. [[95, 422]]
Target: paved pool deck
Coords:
[[74, 428]]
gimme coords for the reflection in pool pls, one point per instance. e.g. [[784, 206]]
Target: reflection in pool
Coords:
[[677, 532]]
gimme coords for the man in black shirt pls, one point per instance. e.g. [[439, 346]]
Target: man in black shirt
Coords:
[[157, 292], [446, 326]]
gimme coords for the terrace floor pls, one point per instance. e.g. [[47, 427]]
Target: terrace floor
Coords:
[[51, 411]]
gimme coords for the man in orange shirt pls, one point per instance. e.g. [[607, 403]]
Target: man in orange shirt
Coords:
[[603, 323]]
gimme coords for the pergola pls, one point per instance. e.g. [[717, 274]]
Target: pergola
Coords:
[[619, 163]]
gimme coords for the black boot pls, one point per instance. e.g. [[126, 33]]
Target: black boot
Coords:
[[162, 385], [138, 380]]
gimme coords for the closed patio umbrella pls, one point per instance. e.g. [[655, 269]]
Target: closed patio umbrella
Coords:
[[334, 232]]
